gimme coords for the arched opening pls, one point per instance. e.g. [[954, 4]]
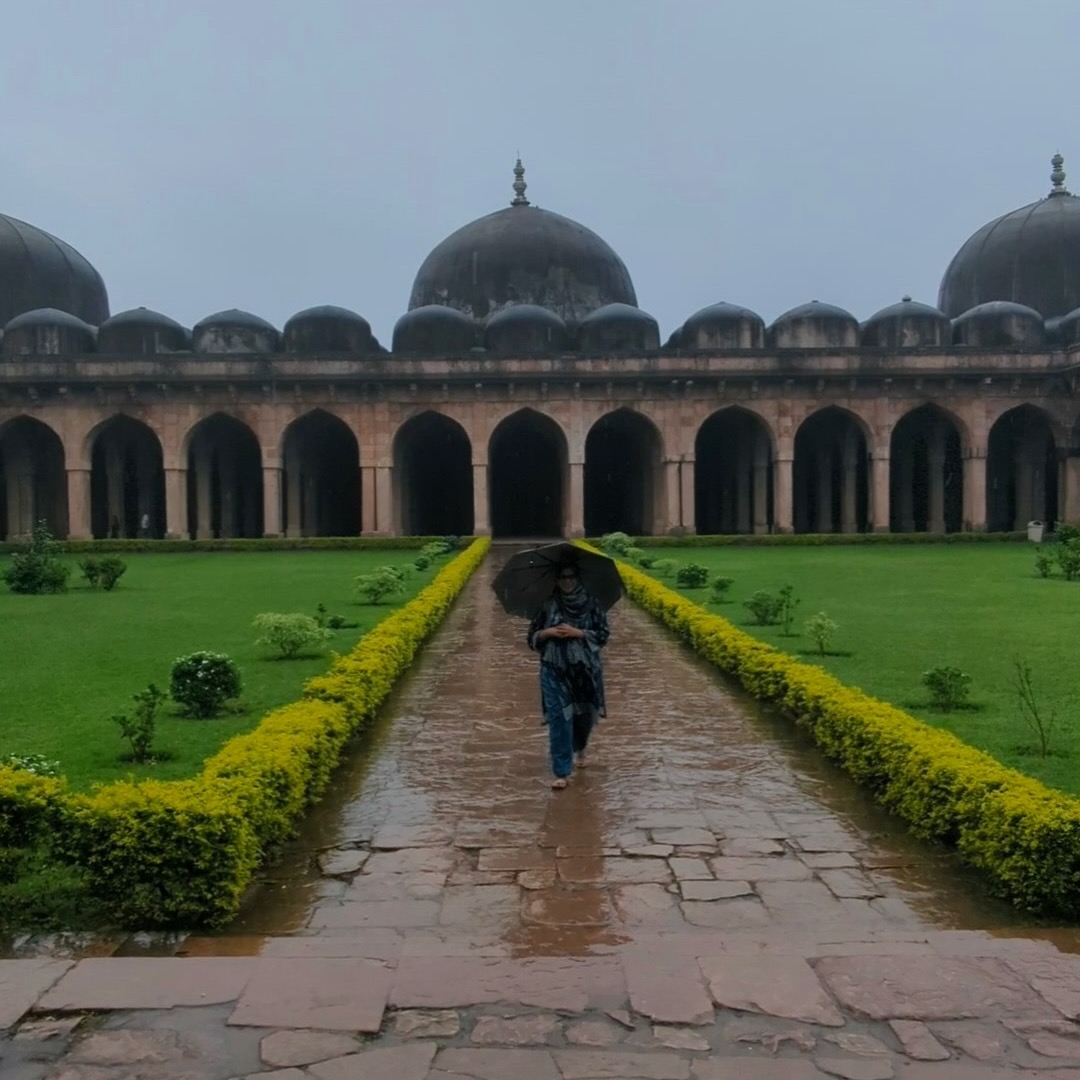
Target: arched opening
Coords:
[[127, 481], [528, 464], [225, 491], [433, 477], [320, 478], [926, 474], [1021, 470], [623, 475], [733, 483], [33, 482], [830, 474]]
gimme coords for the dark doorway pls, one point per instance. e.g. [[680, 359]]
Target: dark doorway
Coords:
[[433, 477], [225, 491], [528, 463], [320, 478], [733, 484], [622, 475], [926, 474], [1021, 471], [127, 481], [831, 475], [33, 480]]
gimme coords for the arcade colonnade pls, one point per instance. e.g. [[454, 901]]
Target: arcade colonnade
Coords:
[[570, 466]]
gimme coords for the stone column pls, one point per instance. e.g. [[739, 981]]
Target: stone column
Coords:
[[176, 504], [687, 487], [20, 491], [935, 489], [384, 500], [1025, 488], [743, 491], [367, 501], [975, 490], [293, 501], [204, 519], [78, 487], [672, 498], [114, 490], [783, 492], [227, 481], [905, 491], [575, 508], [271, 500], [849, 489], [761, 486], [880, 511], [824, 464], [311, 525], [481, 520], [1070, 501]]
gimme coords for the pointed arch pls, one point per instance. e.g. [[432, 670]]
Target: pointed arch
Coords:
[[33, 481], [831, 478], [529, 464], [624, 474], [926, 472], [320, 477], [225, 490], [127, 479], [1021, 470], [733, 467], [433, 480]]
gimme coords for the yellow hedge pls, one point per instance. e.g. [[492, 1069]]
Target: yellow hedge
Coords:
[[1022, 834], [183, 852]]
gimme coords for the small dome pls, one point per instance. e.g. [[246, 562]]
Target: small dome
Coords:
[[999, 324], [234, 331], [618, 328], [142, 332], [525, 330], [1067, 330], [47, 332], [1030, 256], [907, 325], [523, 255], [722, 326], [38, 271], [328, 329], [815, 326], [434, 330]]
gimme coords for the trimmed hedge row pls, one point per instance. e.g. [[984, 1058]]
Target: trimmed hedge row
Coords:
[[693, 540], [181, 853], [277, 543], [1022, 834]]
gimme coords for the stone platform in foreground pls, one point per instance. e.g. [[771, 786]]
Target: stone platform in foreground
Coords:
[[707, 901]]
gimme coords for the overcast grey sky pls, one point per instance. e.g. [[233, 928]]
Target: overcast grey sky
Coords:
[[272, 155]]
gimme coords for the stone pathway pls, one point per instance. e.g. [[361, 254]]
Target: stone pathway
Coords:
[[705, 902]]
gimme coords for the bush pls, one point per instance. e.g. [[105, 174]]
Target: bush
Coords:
[[203, 681], [692, 576], [664, 567], [719, 590], [37, 764], [139, 728], [1065, 534], [948, 686], [1067, 554], [1044, 562], [289, 633], [617, 544], [764, 607], [106, 571], [332, 622], [821, 630], [37, 569], [635, 555], [380, 583], [788, 604]]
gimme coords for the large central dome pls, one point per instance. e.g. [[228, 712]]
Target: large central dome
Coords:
[[523, 255], [39, 271]]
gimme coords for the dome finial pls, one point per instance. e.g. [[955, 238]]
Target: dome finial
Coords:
[[1057, 177], [519, 185]]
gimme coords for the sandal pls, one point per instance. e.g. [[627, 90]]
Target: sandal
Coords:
[[559, 783]]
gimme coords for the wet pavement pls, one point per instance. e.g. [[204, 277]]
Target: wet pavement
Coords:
[[707, 900]]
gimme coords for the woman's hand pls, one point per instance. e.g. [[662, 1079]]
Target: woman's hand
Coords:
[[565, 632]]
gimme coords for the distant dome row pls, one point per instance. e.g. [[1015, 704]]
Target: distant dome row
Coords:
[[529, 330]]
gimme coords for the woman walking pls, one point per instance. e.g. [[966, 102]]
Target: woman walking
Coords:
[[568, 632]]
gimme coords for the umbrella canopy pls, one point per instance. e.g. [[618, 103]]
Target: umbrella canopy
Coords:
[[528, 577]]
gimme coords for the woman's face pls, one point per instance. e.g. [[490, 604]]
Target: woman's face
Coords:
[[567, 580]]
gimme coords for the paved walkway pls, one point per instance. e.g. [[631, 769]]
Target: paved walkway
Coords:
[[705, 902]]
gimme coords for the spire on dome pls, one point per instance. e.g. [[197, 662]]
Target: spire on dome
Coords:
[[1057, 177], [519, 185]]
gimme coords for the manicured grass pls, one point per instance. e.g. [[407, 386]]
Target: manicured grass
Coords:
[[902, 610], [69, 662]]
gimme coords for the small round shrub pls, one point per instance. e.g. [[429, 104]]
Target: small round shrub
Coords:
[[290, 632], [202, 682], [692, 576], [616, 543], [664, 567], [719, 589]]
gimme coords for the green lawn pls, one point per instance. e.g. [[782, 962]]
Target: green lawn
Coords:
[[69, 662], [904, 609]]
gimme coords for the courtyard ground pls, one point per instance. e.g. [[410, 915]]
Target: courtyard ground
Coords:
[[708, 901]]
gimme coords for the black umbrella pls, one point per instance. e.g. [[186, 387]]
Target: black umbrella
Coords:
[[528, 577]]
